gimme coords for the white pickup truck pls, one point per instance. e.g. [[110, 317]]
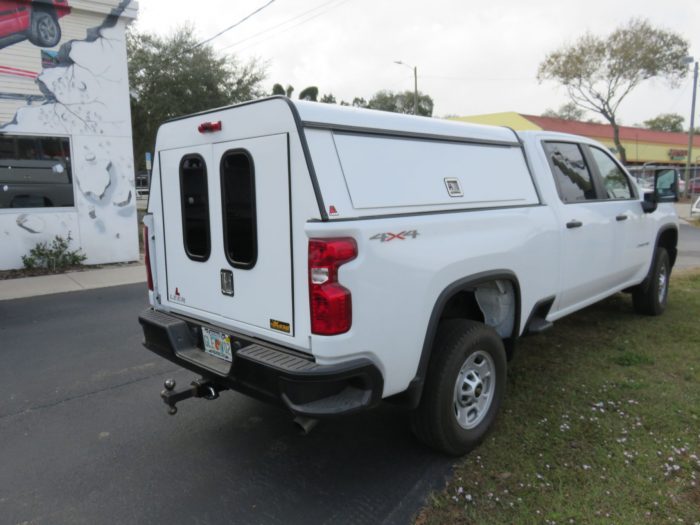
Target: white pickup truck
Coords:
[[328, 258]]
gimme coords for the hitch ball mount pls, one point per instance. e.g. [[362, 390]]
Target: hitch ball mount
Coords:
[[198, 388]]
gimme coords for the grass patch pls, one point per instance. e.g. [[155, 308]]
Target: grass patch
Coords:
[[601, 424], [628, 358]]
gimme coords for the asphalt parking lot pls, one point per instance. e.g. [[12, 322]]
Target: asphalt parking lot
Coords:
[[85, 437]]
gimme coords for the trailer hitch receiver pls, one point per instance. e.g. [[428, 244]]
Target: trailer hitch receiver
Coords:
[[198, 388]]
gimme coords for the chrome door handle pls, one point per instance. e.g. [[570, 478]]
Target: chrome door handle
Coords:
[[621, 217], [574, 224]]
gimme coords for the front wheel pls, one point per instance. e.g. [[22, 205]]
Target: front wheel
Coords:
[[463, 388], [44, 30], [652, 298]]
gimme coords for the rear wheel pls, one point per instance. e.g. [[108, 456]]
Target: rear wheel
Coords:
[[652, 298], [463, 389], [44, 30]]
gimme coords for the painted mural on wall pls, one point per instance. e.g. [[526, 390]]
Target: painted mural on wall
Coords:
[[66, 161]]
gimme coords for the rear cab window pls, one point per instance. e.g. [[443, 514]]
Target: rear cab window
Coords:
[[571, 172]]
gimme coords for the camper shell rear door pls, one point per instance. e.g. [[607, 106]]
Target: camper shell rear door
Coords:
[[226, 221]]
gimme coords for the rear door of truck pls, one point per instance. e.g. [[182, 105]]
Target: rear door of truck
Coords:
[[226, 216]]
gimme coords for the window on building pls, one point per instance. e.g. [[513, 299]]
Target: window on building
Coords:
[[615, 181], [194, 196], [35, 172], [238, 205], [573, 178]]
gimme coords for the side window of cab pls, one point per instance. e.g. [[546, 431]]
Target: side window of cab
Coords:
[[616, 184]]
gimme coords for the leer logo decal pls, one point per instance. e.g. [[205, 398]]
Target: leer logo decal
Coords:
[[176, 297], [388, 236], [281, 326]]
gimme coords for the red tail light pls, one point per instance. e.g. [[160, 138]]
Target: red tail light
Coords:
[[331, 303], [147, 258]]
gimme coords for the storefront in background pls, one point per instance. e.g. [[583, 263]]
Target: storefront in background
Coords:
[[641, 145]]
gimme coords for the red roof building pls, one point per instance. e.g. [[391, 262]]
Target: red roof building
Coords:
[[642, 145]]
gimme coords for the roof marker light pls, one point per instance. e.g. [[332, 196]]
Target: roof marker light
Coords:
[[205, 127]]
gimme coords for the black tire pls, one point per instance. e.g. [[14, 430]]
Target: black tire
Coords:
[[650, 297], [44, 30], [435, 421]]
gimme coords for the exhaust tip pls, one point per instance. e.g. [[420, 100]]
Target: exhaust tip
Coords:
[[305, 424]]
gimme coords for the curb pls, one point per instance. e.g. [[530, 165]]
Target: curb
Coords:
[[71, 282]]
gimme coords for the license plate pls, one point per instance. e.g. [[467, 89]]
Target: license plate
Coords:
[[217, 344]]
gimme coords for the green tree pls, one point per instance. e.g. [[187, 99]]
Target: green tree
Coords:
[[170, 77], [665, 122], [599, 73], [309, 93], [328, 98], [568, 111], [401, 102]]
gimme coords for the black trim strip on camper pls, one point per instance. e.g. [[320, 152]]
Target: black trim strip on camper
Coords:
[[429, 212], [309, 162], [162, 218], [527, 163], [300, 132], [291, 230], [389, 133]]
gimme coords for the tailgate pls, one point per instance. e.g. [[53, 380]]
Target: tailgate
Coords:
[[226, 217]]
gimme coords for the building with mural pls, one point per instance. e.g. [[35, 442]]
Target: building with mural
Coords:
[[642, 145], [66, 156]]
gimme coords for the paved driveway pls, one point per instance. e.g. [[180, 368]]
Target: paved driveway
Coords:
[[84, 437], [688, 246]]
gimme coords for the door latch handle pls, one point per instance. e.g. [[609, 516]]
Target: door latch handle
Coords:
[[621, 217], [574, 224]]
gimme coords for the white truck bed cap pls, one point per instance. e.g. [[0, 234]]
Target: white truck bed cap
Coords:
[[314, 114]]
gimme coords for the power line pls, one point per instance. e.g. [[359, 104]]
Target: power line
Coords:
[[232, 26], [335, 2], [476, 79], [279, 25]]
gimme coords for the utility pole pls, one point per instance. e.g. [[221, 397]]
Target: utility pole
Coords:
[[415, 84], [415, 88], [689, 60]]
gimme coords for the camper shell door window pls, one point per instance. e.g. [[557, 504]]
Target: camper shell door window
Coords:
[[238, 209], [194, 195]]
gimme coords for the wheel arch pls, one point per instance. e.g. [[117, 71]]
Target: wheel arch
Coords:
[[412, 395], [667, 238], [40, 7]]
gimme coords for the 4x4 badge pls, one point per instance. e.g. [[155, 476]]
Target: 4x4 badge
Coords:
[[388, 236]]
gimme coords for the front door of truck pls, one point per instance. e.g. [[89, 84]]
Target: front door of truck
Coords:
[[632, 227]]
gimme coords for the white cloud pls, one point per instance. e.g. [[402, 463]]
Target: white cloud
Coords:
[[472, 57]]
